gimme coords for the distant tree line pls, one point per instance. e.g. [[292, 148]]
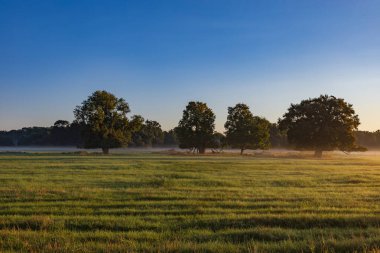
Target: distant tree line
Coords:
[[63, 133], [70, 135], [368, 139], [101, 121]]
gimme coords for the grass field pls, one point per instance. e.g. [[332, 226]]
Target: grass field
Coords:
[[161, 203]]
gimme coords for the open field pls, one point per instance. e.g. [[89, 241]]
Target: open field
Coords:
[[161, 203]]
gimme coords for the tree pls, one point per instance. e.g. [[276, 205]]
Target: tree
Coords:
[[170, 138], [61, 123], [104, 121], [62, 133], [245, 131], [5, 139], [59, 133], [218, 142], [37, 136], [150, 134], [321, 124], [368, 139], [278, 138], [196, 128]]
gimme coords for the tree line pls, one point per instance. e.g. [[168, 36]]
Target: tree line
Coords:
[[101, 121], [64, 133]]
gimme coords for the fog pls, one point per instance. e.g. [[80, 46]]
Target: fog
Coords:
[[175, 150]]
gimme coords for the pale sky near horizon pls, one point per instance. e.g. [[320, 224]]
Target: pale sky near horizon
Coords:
[[159, 55]]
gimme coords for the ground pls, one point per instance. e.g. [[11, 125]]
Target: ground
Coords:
[[174, 203]]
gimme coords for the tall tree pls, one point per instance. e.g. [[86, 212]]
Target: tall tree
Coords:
[[196, 128], [104, 120], [321, 124], [245, 131]]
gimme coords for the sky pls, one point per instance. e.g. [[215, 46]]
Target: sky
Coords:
[[159, 55]]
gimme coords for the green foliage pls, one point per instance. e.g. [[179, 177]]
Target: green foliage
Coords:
[[245, 131], [150, 134], [368, 139], [218, 142], [320, 124], [30, 136], [104, 120], [6, 139], [196, 128], [278, 138], [62, 133], [170, 138], [61, 124]]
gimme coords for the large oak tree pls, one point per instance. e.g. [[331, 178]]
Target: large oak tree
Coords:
[[321, 124], [104, 121], [196, 128], [245, 131]]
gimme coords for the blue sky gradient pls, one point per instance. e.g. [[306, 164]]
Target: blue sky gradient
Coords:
[[159, 55]]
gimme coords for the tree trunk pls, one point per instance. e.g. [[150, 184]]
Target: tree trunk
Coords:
[[318, 153], [202, 150], [106, 151], [241, 151]]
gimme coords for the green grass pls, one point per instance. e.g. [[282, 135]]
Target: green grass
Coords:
[[158, 203]]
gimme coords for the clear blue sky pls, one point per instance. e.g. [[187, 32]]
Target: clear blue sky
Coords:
[[159, 55]]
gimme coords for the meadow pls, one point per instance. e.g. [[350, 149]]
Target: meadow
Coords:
[[183, 203]]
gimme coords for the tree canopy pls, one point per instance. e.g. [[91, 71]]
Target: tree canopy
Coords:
[[104, 121], [150, 134], [245, 131], [196, 128], [321, 124], [170, 138]]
